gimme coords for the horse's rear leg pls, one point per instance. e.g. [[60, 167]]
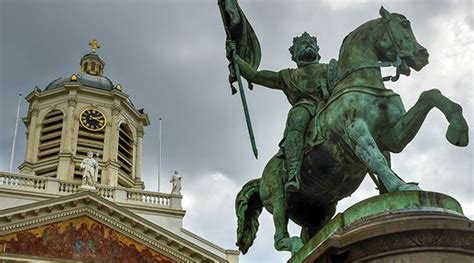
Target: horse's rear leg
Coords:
[[272, 193], [408, 126], [366, 149], [282, 239], [308, 232]]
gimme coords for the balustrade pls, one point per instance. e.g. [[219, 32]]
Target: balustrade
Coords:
[[56, 187], [23, 181]]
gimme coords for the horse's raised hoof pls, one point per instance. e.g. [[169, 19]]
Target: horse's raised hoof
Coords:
[[458, 136], [409, 187]]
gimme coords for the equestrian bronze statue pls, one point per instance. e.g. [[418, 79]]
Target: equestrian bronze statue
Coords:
[[343, 124]]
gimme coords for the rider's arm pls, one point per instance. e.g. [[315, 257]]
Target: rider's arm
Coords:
[[267, 78]]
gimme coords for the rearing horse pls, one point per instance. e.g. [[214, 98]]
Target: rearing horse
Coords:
[[352, 135]]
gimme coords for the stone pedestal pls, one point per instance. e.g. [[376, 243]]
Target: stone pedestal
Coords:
[[409, 226]]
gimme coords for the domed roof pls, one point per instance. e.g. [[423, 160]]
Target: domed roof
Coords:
[[91, 72], [93, 56], [98, 82]]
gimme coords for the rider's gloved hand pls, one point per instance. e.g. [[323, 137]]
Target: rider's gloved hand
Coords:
[[230, 48]]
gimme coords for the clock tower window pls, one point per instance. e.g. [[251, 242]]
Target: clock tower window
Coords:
[[50, 140], [125, 151]]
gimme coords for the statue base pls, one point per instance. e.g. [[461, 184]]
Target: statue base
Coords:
[[411, 226]]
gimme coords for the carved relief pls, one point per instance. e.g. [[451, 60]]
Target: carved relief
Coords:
[[79, 239], [441, 239]]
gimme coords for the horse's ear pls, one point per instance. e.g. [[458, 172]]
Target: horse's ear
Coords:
[[384, 13]]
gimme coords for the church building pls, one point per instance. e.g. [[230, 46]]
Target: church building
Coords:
[[79, 196]]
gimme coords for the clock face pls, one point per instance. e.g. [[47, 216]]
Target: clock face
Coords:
[[92, 119]]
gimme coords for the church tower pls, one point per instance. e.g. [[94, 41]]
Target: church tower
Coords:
[[55, 211], [81, 113]]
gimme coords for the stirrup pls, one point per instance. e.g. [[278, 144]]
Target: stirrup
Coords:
[[292, 187]]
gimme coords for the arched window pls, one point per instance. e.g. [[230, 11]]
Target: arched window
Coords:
[[92, 66], [125, 152], [50, 140], [85, 66]]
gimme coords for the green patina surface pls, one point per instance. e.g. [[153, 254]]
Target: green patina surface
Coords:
[[343, 123], [379, 205]]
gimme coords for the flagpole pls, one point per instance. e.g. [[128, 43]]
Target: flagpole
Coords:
[[14, 133], [159, 153]]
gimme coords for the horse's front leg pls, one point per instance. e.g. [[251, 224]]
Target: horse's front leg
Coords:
[[360, 139], [409, 124]]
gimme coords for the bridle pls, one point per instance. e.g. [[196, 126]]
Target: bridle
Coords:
[[396, 64]]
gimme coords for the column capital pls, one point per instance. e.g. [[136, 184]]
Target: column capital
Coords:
[[140, 132], [34, 111], [116, 109], [72, 101]]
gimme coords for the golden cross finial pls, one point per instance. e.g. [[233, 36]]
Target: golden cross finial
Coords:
[[94, 45]]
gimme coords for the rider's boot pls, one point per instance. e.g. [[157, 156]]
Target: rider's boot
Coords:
[[294, 144]]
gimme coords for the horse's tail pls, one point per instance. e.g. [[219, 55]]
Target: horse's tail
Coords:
[[248, 207]]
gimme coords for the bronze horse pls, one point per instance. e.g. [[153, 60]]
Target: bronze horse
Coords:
[[352, 135]]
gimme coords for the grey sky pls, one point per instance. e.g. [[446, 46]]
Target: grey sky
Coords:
[[169, 57]]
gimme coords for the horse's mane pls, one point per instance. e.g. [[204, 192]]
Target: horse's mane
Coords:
[[350, 36], [371, 23]]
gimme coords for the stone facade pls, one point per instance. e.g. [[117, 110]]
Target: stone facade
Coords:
[[151, 221]]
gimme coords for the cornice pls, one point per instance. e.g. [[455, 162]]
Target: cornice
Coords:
[[34, 93], [136, 207]]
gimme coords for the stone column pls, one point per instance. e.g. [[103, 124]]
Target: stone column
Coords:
[[68, 146], [110, 172], [138, 158], [114, 134], [65, 156], [30, 143]]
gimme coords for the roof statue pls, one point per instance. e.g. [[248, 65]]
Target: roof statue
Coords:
[[176, 183], [90, 167], [343, 124]]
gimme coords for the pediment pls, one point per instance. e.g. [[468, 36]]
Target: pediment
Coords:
[[85, 226]]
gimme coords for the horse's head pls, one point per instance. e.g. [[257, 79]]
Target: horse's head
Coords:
[[305, 50], [398, 43]]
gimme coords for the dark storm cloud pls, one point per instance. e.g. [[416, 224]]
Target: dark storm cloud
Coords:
[[169, 57]]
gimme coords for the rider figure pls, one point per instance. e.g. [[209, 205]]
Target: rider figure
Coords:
[[305, 87]]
